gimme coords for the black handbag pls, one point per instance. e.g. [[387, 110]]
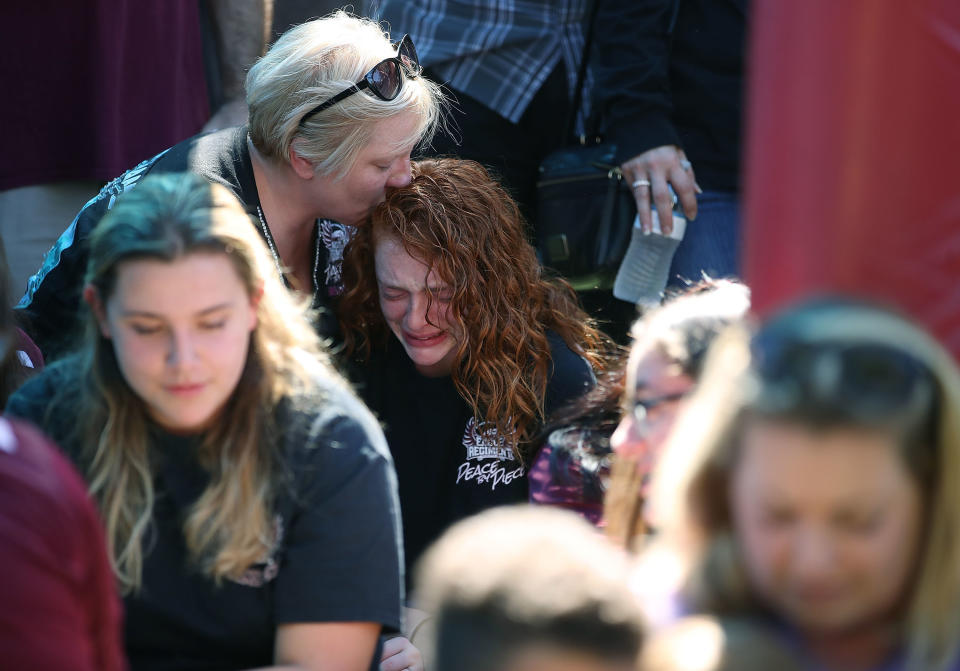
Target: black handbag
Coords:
[[584, 215], [584, 209]]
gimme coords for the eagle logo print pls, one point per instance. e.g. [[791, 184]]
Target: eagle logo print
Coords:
[[489, 459]]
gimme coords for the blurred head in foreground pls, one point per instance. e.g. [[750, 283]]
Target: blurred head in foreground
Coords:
[[529, 589], [815, 478]]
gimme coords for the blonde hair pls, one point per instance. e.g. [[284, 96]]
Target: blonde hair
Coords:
[[230, 526], [691, 483], [313, 62]]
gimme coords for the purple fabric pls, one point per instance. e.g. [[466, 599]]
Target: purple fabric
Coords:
[[92, 88], [566, 491]]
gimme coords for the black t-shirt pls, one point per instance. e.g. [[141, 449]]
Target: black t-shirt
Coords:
[[449, 465], [337, 557], [50, 306]]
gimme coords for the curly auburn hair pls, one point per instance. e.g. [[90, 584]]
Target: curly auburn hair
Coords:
[[462, 224]]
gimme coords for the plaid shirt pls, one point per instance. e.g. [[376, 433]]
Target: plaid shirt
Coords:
[[497, 51]]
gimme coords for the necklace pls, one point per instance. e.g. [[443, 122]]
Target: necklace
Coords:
[[268, 236], [271, 243]]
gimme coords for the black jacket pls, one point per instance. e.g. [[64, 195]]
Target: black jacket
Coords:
[[51, 305], [671, 72]]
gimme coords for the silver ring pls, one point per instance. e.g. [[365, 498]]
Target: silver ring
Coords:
[[686, 165], [640, 182]]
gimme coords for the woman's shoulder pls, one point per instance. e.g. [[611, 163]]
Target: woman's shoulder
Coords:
[[48, 401], [328, 413], [563, 355], [32, 399], [333, 450], [570, 374]]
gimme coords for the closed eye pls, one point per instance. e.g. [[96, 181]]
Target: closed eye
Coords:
[[864, 524], [144, 329], [777, 518]]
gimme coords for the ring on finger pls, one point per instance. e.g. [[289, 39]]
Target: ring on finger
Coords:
[[640, 182], [686, 165]]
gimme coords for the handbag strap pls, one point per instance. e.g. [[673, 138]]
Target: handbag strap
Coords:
[[604, 228], [568, 125]]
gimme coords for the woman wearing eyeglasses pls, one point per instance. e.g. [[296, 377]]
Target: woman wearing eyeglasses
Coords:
[[466, 345], [248, 496], [813, 482], [335, 111], [670, 342]]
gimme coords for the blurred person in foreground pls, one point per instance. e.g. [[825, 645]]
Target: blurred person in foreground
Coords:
[[56, 580], [60, 606], [629, 414], [813, 483], [528, 589], [335, 110], [248, 496]]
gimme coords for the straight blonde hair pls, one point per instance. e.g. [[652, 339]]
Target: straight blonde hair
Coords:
[[230, 526]]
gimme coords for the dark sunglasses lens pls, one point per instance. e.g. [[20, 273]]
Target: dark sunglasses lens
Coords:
[[408, 53], [384, 79], [874, 379], [882, 374], [774, 359]]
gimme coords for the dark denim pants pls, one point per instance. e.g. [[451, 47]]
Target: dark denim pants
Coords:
[[711, 244]]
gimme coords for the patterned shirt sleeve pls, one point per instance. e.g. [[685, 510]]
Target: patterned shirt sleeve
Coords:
[[499, 53]]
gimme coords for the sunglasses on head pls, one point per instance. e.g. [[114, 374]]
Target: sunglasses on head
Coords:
[[868, 381], [384, 80]]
